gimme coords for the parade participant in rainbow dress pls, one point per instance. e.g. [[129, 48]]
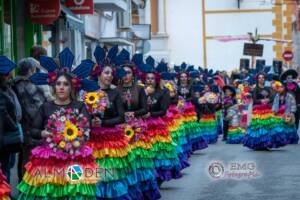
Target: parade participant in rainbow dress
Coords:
[[289, 79], [63, 167], [135, 104], [208, 119], [261, 133], [4, 187], [166, 160], [108, 140], [231, 117], [284, 108], [174, 118]]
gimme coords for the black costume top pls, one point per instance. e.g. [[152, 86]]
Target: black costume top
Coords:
[[185, 92], [47, 109], [158, 102], [134, 100], [114, 113]]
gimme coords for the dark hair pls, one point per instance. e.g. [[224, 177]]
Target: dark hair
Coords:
[[2, 81], [37, 51], [26, 64], [69, 79]]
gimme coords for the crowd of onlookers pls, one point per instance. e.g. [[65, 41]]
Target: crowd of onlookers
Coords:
[[20, 100]]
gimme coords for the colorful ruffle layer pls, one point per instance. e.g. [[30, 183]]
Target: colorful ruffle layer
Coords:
[[4, 187], [141, 157], [208, 125], [165, 158], [264, 131], [112, 152], [178, 134], [235, 135], [289, 129], [50, 175], [193, 130]]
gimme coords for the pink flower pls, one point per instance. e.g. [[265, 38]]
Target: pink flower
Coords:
[[56, 139], [68, 146]]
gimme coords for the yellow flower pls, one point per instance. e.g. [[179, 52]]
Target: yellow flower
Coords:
[[70, 131], [169, 86], [129, 132], [62, 144], [100, 94], [91, 98], [138, 129]]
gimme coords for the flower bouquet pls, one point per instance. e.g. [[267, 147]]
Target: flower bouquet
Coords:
[[96, 102], [211, 97], [69, 130]]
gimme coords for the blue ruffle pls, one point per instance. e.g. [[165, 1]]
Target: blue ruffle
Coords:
[[258, 139], [235, 139], [113, 189]]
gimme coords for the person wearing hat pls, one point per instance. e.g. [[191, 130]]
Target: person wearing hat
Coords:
[[10, 116], [232, 131], [288, 78], [284, 108]]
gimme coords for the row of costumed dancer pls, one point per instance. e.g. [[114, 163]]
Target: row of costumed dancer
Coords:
[[134, 124], [129, 132]]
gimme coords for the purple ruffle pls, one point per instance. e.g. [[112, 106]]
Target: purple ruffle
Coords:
[[167, 175]]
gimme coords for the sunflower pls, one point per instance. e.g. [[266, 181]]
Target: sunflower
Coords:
[[91, 98], [129, 132], [70, 131]]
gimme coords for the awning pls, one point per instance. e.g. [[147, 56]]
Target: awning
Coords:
[[72, 21], [116, 41]]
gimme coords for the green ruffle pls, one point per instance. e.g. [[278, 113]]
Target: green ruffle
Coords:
[[142, 163], [140, 152], [116, 163], [166, 154], [159, 146], [49, 190], [78, 197]]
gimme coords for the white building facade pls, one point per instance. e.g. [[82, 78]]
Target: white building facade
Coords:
[[191, 30]]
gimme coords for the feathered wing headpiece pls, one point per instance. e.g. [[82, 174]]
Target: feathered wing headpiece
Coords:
[[79, 74]]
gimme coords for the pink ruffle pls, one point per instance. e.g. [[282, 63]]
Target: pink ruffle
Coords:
[[45, 152]]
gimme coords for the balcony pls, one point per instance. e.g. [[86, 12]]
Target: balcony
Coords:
[[111, 5]]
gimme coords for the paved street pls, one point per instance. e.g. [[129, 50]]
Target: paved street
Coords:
[[279, 170], [280, 175]]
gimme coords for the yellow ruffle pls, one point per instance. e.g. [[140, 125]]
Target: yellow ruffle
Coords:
[[140, 144], [159, 138], [265, 116], [116, 153], [89, 176], [5, 198]]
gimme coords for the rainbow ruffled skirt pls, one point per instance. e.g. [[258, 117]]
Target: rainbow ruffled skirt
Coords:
[[264, 131], [111, 150], [166, 161], [208, 125], [56, 175], [141, 160], [178, 135], [193, 128], [289, 129], [235, 135]]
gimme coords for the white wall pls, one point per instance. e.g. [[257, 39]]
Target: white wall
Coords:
[[184, 27]]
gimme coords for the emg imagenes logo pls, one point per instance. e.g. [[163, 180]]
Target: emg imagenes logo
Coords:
[[74, 173]]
